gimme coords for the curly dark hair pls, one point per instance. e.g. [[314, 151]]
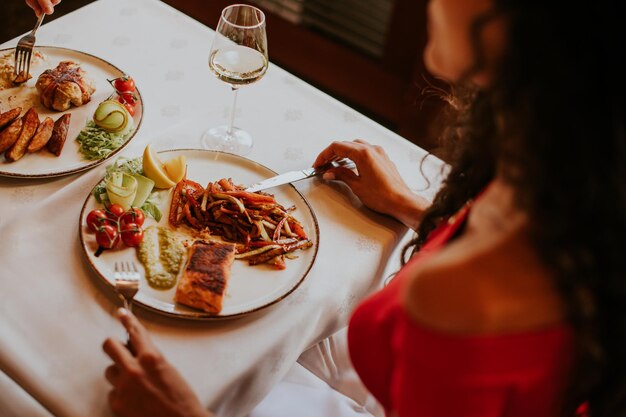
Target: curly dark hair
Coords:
[[553, 118]]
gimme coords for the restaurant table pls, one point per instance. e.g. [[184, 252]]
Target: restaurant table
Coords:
[[55, 311]]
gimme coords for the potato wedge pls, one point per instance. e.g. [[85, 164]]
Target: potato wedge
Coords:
[[9, 116], [31, 122], [9, 135], [59, 134], [41, 136]]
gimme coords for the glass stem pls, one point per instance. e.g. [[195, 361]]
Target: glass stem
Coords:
[[232, 112]]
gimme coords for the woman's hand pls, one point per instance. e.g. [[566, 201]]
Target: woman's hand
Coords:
[[378, 183], [42, 6], [144, 382]]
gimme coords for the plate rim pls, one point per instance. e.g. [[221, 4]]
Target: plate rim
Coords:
[[198, 315], [91, 164]]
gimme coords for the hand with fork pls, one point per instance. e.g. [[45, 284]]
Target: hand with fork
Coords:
[[143, 382], [42, 6], [24, 48]]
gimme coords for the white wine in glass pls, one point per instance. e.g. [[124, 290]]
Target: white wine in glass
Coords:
[[238, 57]]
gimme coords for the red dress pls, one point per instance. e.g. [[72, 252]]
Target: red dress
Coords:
[[415, 371]]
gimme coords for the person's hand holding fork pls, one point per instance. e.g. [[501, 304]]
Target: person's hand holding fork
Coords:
[[42, 6]]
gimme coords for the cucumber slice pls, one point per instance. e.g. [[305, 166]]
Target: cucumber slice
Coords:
[[144, 188], [121, 189]]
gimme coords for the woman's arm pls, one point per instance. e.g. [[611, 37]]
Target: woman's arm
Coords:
[[144, 382], [378, 183]]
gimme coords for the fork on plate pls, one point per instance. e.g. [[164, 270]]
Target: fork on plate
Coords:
[[127, 278], [24, 53]]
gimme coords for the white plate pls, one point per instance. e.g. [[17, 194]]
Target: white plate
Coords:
[[44, 164], [250, 288]]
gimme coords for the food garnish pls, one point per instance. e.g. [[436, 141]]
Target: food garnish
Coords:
[[164, 175], [144, 188], [133, 215], [111, 126], [144, 197], [97, 218], [132, 234], [96, 143], [125, 89], [263, 230], [121, 189], [115, 211], [113, 224], [113, 117], [107, 237], [176, 168]]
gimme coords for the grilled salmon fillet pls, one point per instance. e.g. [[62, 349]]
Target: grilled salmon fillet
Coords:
[[205, 277]]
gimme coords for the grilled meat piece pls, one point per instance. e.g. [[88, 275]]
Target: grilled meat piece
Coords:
[[63, 86], [205, 277]]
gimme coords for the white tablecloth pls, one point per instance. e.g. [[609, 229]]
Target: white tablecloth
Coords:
[[54, 311]]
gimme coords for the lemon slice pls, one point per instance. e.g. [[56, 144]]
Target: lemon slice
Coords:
[[153, 168], [176, 168]]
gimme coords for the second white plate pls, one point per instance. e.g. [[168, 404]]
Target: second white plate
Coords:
[[44, 164]]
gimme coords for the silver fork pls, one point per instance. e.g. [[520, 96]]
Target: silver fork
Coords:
[[24, 52], [127, 278]]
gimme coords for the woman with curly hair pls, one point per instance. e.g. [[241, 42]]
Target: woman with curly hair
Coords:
[[512, 299]]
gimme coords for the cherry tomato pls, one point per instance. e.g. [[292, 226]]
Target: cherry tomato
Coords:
[[107, 236], [124, 84], [132, 234], [97, 218], [127, 98], [134, 215], [115, 211], [130, 108]]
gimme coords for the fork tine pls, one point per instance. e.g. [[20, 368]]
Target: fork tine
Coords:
[[117, 269], [23, 60], [18, 61], [29, 55], [134, 267]]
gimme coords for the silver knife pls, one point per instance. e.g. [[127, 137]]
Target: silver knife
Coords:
[[293, 176]]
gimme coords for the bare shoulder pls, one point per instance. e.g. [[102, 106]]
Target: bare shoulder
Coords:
[[485, 282]]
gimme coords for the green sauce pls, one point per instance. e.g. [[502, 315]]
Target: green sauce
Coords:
[[162, 254]]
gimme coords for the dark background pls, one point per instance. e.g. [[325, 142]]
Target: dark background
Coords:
[[17, 18], [388, 88]]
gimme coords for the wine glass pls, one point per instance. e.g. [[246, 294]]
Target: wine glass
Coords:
[[238, 57]]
